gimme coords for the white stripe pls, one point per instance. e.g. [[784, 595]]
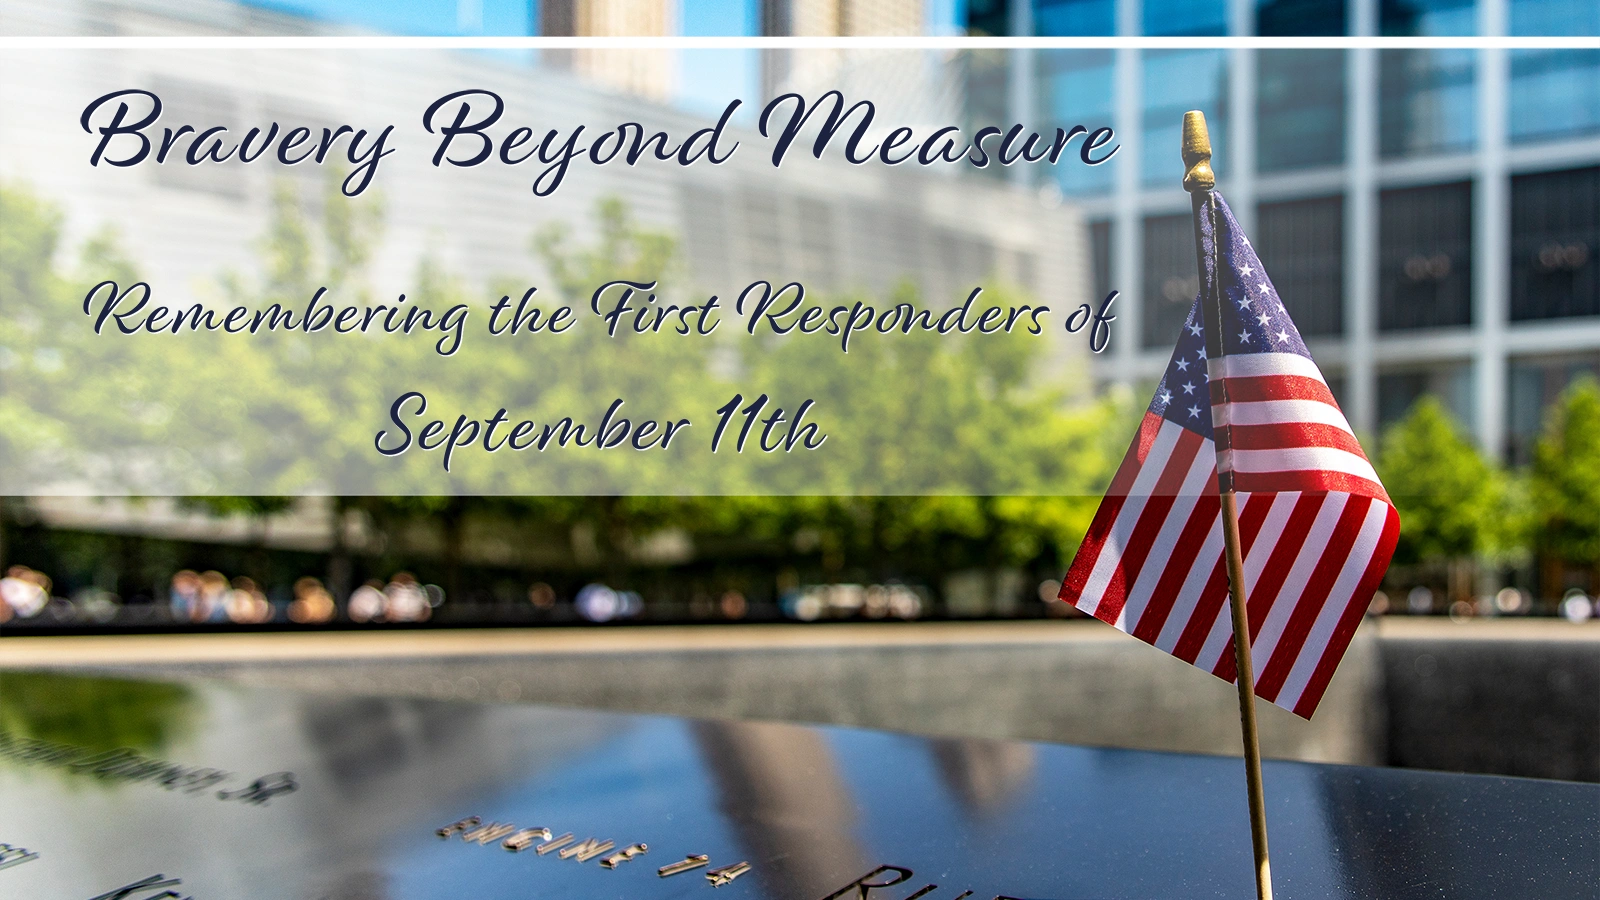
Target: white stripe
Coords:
[[1316, 645], [1266, 539], [1278, 412], [1294, 586], [1255, 365], [1296, 459], [876, 42], [1105, 564], [1202, 473], [1205, 562]]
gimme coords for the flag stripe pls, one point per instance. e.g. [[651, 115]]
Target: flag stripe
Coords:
[[1356, 607], [1215, 595], [1109, 562], [1151, 518], [1333, 608], [1186, 551], [1200, 476], [1202, 571], [1271, 412], [1317, 592], [1110, 507], [1267, 482], [1296, 459], [1283, 552], [1265, 388], [1251, 365], [1268, 624], [1285, 435]]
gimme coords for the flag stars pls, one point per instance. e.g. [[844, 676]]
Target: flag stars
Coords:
[[1188, 387], [1281, 336], [1263, 320], [1166, 397], [1194, 412], [1182, 364], [1246, 270], [1194, 329], [1245, 303], [1244, 336], [1265, 288]]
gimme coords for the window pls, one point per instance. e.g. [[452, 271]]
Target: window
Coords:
[[1426, 96], [818, 264], [987, 78], [187, 101], [1185, 17], [1100, 258], [1176, 81], [1425, 102], [706, 238], [762, 233], [1171, 277], [1555, 244], [1555, 17], [1554, 94], [1074, 18], [1301, 17], [1451, 383], [1076, 88], [1299, 109], [1425, 257], [1301, 244], [1534, 385], [985, 18]]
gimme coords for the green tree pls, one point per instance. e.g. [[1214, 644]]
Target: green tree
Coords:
[[1454, 503], [1564, 484]]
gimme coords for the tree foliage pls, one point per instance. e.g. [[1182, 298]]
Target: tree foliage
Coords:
[[1453, 501], [1565, 478]]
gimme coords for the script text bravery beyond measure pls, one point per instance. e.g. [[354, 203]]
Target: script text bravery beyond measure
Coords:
[[472, 127]]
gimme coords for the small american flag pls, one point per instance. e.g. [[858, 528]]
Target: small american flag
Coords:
[[1316, 527]]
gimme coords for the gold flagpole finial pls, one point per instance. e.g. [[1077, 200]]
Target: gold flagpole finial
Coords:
[[1197, 174]]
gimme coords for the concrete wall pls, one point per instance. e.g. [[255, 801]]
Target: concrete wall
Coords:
[[1519, 698]]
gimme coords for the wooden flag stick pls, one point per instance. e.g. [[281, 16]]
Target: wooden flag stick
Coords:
[[1199, 180]]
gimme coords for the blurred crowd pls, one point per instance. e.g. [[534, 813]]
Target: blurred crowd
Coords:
[[200, 598], [212, 598]]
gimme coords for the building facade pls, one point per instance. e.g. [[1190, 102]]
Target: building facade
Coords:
[[1432, 217]]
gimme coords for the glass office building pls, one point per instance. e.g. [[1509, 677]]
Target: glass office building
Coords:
[[1431, 217]]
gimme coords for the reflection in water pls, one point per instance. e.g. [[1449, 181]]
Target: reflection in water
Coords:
[[359, 884], [366, 738], [984, 775], [96, 714], [781, 788], [383, 772]]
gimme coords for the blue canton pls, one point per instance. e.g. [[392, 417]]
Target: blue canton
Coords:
[[1254, 320]]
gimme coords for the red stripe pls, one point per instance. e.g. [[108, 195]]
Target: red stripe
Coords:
[[1149, 525], [1308, 480], [1298, 628], [1149, 427], [1202, 519], [1215, 593], [1289, 435], [1346, 629], [1286, 547], [1261, 388], [1106, 516]]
